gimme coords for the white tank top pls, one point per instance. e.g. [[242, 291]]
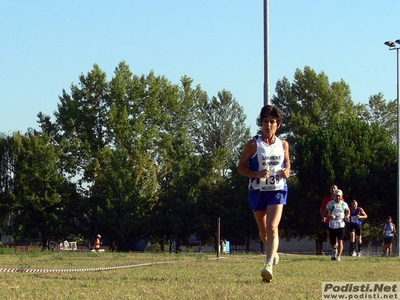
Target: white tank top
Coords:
[[268, 156]]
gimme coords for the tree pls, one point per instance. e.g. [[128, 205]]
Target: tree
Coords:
[[315, 111], [131, 152], [384, 114], [179, 163], [132, 140], [37, 182], [126, 186], [82, 124], [356, 156], [312, 102], [7, 169], [125, 193], [222, 134], [107, 135]]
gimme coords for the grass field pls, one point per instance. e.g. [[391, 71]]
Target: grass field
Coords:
[[180, 276]]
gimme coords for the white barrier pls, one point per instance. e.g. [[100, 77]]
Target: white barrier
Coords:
[[68, 246]]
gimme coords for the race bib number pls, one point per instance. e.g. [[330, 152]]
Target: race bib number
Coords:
[[272, 183], [354, 219], [334, 224]]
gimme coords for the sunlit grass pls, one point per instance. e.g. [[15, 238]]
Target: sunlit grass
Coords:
[[181, 276]]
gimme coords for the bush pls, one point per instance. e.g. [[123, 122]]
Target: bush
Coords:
[[8, 250], [156, 248]]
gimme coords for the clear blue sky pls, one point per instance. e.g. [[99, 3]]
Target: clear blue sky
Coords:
[[46, 45]]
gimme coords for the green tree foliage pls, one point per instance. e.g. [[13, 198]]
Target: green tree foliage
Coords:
[[379, 112], [354, 155], [37, 183], [141, 147], [126, 186], [333, 141], [7, 169], [123, 195], [82, 120], [222, 132], [179, 162], [139, 157], [311, 101]]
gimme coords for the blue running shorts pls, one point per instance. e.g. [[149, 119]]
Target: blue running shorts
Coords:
[[260, 200]]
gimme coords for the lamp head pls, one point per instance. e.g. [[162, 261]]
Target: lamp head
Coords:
[[398, 41], [390, 44]]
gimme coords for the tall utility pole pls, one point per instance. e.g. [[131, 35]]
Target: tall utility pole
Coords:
[[266, 55], [396, 46]]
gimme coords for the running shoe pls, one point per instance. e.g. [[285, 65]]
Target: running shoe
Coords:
[[334, 254], [266, 273]]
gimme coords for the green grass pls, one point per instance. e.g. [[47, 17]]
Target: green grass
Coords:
[[182, 276]]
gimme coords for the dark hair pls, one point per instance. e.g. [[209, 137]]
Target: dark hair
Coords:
[[269, 110]]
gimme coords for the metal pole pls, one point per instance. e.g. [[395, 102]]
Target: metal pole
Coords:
[[398, 150], [392, 46], [266, 54], [218, 236]]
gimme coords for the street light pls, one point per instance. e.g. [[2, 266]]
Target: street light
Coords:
[[267, 100], [396, 46]]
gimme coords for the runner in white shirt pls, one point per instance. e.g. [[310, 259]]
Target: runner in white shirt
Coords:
[[266, 161], [338, 212]]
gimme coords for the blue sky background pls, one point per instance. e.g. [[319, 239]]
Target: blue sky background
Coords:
[[46, 45]]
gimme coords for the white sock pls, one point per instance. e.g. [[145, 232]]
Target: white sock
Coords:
[[269, 261]]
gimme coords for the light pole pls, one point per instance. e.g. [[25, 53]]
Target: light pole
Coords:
[[266, 54], [396, 46]]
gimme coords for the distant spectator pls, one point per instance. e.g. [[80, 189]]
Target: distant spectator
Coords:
[[97, 242], [223, 246]]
